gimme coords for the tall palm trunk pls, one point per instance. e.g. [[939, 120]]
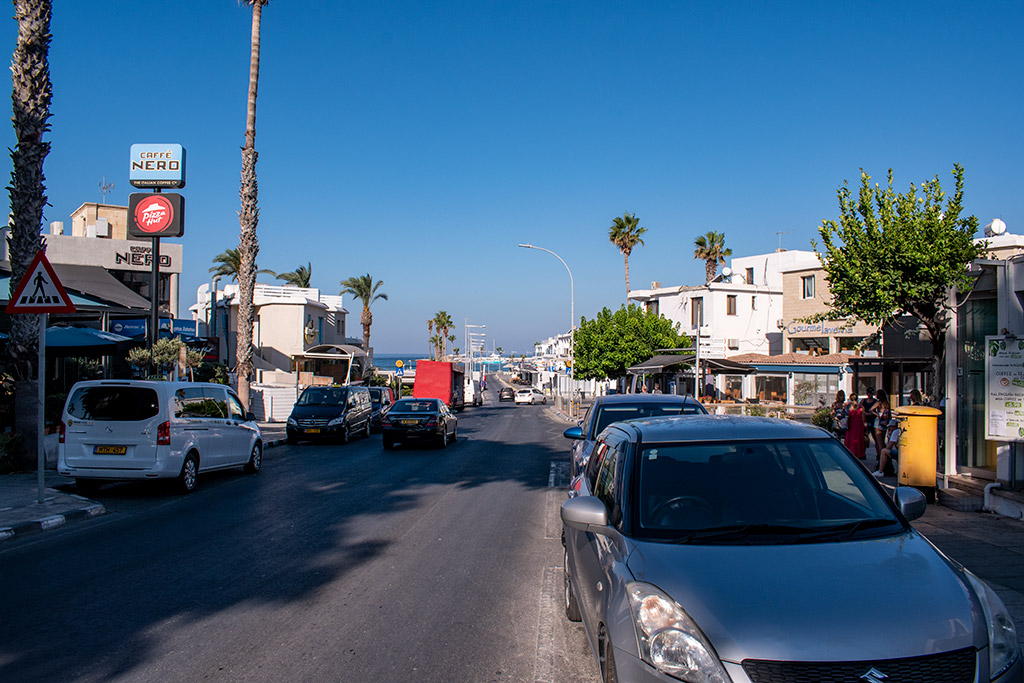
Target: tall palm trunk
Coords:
[[367, 319], [710, 270], [30, 96], [248, 218], [627, 276]]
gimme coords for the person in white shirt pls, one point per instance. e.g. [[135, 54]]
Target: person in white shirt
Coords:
[[887, 458]]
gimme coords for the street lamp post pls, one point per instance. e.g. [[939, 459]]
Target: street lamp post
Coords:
[[572, 308]]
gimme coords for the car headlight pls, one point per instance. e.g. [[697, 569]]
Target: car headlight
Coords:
[[670, 640], [292, 422], [1003, 649], [336, 421]]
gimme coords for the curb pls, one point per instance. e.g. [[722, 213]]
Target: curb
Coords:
[[53, 521]]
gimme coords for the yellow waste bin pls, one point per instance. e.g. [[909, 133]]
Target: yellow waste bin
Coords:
[[918, 444]]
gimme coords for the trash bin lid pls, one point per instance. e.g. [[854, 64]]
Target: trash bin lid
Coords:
[[917, 410]]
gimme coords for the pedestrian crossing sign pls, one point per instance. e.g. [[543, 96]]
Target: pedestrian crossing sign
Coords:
[[40, 291]]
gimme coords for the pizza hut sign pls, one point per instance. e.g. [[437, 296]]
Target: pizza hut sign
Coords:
[[156, 215]]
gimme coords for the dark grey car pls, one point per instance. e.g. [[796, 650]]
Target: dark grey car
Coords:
[[615, 407], [736, 549]]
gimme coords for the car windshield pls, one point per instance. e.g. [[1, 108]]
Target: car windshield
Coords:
[[408, 405], [618, 412], [756, 492], [323, 396]]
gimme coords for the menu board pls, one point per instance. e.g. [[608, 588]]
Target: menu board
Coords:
[[1004, 384]]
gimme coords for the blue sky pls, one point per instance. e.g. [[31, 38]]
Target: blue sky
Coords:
[[421, 141]]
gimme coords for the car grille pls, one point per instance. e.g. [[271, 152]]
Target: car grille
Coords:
[[312, 422], [950, 667]]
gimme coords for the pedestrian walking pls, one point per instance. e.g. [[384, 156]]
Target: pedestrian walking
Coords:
[[856, 438], [840, 418], [883, 414], [868, 404]]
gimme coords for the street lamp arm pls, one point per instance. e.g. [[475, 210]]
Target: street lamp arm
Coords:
[[572, 287]]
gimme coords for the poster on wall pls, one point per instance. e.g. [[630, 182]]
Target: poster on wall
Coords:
[[1004, 388]]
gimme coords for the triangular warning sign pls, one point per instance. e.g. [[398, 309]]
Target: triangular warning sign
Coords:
[[40, 291]]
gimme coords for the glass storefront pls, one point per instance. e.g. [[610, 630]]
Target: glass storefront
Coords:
[[814, 389], [771, 388], [977, 318]]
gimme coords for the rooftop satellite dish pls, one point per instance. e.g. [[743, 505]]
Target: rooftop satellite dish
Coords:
[[996, 227], [727, 271]]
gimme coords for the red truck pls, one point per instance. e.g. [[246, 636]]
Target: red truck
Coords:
[[439, 379]]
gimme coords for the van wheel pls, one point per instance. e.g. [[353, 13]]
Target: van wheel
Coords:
[[366, 431], [255, 460], [346, 433], [189, 473]]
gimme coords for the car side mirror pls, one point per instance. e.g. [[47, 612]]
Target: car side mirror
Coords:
[[911, 502], [585, 513], [250, 417], [573, 433]]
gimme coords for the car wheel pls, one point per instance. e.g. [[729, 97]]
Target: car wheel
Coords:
[[255, 460], [544, 400], [608, 663], [88, 486], [444, 439], [572, 607], [189, 473], [346, 433], [366, 430], [455, 434]]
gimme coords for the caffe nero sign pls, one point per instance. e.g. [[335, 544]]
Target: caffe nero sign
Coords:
[[157, 165]]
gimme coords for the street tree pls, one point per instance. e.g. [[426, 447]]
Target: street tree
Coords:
[[605, 347], [30, 95], [893, 253], [300, 277], [710, 248], [227, 264], [442, 323], [626, 233], [364, 289], [163, 356], [248, 217]]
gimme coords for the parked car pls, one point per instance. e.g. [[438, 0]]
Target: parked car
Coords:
[[730, 548], [507, 394], [332, 412], [381, 399], [419, 419], [608, 409], [530, 396], [117, 430]]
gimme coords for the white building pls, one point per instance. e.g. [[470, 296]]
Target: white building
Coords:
[[741, 309]]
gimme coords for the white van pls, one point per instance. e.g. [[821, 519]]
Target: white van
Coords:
[[116, 430], [473, 395]]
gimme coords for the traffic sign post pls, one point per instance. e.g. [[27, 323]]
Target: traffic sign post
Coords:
[[46, 296]]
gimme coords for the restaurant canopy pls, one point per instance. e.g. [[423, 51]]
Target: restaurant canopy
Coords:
[[660, 364]]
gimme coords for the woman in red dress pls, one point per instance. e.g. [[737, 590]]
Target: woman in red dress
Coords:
[[855, 438]]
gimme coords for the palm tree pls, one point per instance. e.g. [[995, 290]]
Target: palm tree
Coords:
[[229, 263], [32, 91], [300, 277], [711, 249], [248, 217], [625, 234], [442, 323], [365, 289]]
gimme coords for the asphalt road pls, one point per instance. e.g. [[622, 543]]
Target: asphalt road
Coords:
[[336, 562]]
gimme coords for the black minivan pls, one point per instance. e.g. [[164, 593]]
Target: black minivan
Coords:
[[330, 412]]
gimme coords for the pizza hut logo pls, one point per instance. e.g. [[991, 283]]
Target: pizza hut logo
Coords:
[[154, 214]]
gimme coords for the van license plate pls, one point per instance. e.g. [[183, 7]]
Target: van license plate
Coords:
[[312, 431], [110, 450]]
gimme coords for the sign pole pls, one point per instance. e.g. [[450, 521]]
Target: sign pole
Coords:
[[154, 304], [41, 410]]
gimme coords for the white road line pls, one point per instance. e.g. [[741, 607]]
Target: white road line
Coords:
[[544, 666]]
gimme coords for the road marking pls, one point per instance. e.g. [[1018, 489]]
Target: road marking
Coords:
[[544, 666]]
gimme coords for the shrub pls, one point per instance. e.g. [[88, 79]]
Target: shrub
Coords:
[[11, 446], [822, 417]]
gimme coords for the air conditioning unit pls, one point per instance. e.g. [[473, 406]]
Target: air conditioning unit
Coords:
[[732, 344], [102, 227]]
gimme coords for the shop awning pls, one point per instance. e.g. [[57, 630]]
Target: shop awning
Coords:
[[659, 364], [332, 352], [90, 287]]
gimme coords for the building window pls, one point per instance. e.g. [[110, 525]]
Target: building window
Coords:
[[652, 306], [697, 312], [771, 388], [753, 303], [750, 276], [730, 304], [808, 286], [733, 388], [815, 390]]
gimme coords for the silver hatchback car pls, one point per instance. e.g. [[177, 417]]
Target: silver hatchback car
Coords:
[[719, 549]]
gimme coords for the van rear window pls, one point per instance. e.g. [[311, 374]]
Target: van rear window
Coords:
[[113, 403]]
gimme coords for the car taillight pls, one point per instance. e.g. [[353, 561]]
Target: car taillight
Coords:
[[432, 423], [60, 434], [163, 434]]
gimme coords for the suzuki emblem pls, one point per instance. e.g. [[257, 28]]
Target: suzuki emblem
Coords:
[[874, 676]]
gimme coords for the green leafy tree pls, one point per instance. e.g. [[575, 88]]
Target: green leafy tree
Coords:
[[710, 248], [31, 94], [365, 289], [898, 253], [605, 347], [163, 355], [300, 277], [626, 233], [248, 217]]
